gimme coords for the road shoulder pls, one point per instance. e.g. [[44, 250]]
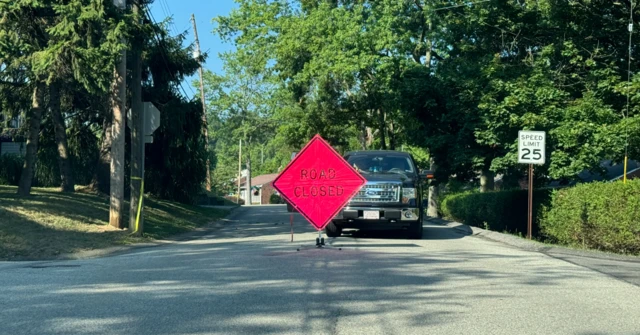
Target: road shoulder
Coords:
[[621, 267]]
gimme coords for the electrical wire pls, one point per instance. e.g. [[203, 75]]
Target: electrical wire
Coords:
[[460, 5], [164, 57]]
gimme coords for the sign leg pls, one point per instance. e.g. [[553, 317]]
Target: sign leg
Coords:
[[291, 223], [530, 214]]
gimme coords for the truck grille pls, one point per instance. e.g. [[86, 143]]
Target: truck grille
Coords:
[[385, 192]]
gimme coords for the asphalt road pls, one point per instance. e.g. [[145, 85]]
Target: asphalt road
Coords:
[[248, 278]]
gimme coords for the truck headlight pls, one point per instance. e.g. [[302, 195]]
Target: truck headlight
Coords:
[[408, 194]]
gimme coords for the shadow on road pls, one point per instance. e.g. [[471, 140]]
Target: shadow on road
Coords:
[[229, 283]]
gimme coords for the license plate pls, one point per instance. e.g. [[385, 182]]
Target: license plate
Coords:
[[372, 215]]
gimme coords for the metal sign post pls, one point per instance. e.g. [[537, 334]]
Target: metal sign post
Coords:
[[291, 223], [531, 150], [530, 218]]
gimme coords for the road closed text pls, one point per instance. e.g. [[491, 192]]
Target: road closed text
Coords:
[[321, 190]]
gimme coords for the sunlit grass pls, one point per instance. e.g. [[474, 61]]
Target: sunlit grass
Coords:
[[49, 222]]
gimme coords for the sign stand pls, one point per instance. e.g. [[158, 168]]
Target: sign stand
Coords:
[[530, 219], [319, 240], [319, 244], [291, 223]]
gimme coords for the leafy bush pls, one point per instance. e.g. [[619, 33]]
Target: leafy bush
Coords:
[[275, 199], [499, 211], [604, 216], [10, 169]]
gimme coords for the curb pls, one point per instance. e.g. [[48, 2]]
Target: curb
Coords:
[[528, 245]]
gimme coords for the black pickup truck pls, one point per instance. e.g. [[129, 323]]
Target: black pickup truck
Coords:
[[390, 200]]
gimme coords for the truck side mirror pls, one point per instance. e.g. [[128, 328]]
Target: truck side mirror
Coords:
[[427, 174]]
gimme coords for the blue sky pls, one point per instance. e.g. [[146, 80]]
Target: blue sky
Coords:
[[204, 10]]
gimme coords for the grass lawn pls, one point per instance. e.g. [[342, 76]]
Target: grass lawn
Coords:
[[49, 223]]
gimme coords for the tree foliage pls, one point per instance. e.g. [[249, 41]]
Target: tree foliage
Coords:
[[458, 79]]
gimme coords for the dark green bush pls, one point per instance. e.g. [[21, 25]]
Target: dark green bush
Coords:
[[504, 211], [275, 199], [176, 160], [10, 169], [603, 216]]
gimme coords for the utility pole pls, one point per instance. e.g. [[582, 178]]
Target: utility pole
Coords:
[[137, 136], [248, 183], [239, 168], [118, 96], [204, 107]]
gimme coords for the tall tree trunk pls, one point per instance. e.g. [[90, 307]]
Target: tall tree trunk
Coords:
[[64, 162], [34, 119], [363, 137], [383, 127], [427, 56], [369, 138], [487, 180], [392, 137], [116, 185], [433, 204], [101, 175]]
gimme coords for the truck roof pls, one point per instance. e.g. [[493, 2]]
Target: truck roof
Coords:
[[376, 152]]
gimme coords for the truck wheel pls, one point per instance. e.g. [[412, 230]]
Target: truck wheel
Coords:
[[332, 230], [415, 232]]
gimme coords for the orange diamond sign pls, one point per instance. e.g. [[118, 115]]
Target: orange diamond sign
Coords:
[[318, 182]]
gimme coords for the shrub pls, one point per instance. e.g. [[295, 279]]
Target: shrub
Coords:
[[176, 160], [603, 216], [499, 211], [10, 169], [275, 199]]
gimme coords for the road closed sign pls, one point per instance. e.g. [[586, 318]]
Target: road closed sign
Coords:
[[318, 182], [531, 146]]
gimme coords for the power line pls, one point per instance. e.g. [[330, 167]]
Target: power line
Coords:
[[163, 54], [170, 15], [461, 5]]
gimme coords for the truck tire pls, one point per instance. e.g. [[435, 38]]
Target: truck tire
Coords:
[[332, 230], [290, 208], [415, 231]]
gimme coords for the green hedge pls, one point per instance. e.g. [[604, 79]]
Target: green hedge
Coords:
[[504, 211], [603, 216], [276, 199], [10, 169]]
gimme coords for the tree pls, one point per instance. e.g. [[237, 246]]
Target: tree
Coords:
[[58, 40], [175, 162]]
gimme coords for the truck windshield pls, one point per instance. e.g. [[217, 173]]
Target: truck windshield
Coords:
[[381, 164]]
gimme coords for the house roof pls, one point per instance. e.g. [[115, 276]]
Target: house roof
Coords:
[[10, 135], [612, 170], [260, 180]]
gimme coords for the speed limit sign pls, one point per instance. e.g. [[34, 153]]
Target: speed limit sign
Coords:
[[531, 147]]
